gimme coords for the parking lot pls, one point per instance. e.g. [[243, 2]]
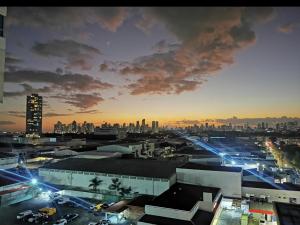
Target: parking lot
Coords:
[[8, 214]]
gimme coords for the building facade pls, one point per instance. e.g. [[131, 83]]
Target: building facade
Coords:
[[34, 109], [2, 50]]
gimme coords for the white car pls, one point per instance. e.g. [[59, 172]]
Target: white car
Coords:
[[66, 219], [62, 201], [23, 214], [34, 216], [94, 223], [61, 222]]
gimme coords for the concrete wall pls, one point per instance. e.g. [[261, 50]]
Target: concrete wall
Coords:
[[168, 212], [229, 182], [273, 194], [142, 185], [8, 162]]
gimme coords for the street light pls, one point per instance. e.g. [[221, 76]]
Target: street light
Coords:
[[34, 181]]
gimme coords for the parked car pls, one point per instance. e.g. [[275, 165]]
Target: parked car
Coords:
[[105, 222], [63, 200], [23, 214], [48, 211], [94, 223], [66, 219], [99, 206], [34, 217]]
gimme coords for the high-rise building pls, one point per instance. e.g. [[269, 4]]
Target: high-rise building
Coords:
[[153, 125], [34, 109], [2, 50]]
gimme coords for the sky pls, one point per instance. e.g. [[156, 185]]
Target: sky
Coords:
[[171, 64]]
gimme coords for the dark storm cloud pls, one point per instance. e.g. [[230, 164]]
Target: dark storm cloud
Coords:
[[288, 27], [209, 39], [82, 101], [11, 59], [77, 55], [28, 89], [5, 123], [109, 18], [66, 82]]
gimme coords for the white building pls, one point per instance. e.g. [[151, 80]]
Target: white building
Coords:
[[151, 177], [8, 160], [139, 150], [2, 50], [287, 192], [14, 189], [228, 179]]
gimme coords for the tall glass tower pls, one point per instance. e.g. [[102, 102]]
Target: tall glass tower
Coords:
[[2, 50], [34, 108]]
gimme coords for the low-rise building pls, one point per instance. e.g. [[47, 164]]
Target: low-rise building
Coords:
[[151, 177], [8, 160], [228, 179], [14, 189], [183, 204]]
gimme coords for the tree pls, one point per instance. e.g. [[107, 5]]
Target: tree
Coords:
[[116, 183], [95, 182]]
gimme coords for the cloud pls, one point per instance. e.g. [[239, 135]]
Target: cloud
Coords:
[[65, 82], [187, 122], [51, 114], [209, 39], [164, 46], [11, 59], [77, 55], [103, 67], [82, 101], [288, 27], [109, 18], [5, 123], [20, 114], [92, 111], [28, 89]]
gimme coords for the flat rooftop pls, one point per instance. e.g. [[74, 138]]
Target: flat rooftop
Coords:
[[200, 218], [196, 166], [265, 185], [132, 167], [287, 214], [183, 196], [141, 200]]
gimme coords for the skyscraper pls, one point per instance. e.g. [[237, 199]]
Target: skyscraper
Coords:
[[34, 109], [2, 50]]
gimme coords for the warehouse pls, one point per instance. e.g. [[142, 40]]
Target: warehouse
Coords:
[[150, 177], [14, 189], [228, 179]]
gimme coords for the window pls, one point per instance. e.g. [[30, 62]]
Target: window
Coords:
[[1, 26]]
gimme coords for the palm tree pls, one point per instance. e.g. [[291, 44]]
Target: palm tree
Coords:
[[116, 183], [95, 182], [124, 191]]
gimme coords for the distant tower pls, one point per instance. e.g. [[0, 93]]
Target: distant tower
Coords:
[[34, 110], [2, 50], [153, 125]]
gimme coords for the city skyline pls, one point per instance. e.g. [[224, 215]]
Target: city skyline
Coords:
[[121, 64]]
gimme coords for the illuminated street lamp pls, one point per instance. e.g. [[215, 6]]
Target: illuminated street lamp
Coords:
[[34, 181]]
